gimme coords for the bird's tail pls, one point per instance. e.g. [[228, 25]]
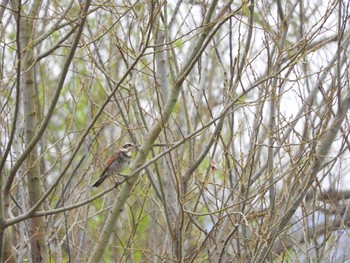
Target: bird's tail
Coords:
[[100, 180]]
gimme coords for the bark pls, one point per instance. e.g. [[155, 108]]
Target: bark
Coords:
[[35, 188]]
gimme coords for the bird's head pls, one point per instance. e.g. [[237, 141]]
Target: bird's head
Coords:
[[128, 147]]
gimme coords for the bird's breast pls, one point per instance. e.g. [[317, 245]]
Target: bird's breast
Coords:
[[119, 165]]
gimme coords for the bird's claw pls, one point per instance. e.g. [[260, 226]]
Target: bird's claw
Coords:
[[126, 177]]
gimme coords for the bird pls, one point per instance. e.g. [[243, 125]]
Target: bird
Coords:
[[117, 163]]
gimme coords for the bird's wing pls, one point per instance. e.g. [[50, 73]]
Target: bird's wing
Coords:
[[111, 160]]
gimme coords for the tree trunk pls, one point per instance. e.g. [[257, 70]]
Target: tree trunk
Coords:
[[35, 189]]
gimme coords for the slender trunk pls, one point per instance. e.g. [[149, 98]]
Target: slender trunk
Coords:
[[35, 189]]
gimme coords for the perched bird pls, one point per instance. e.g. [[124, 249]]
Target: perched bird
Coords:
[[117, 163]]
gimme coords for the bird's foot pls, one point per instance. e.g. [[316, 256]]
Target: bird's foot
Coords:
[[126, 177]]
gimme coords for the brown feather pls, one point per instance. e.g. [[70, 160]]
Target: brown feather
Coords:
[[114, 165]]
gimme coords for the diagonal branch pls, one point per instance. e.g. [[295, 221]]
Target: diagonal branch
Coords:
[[312, 173]]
